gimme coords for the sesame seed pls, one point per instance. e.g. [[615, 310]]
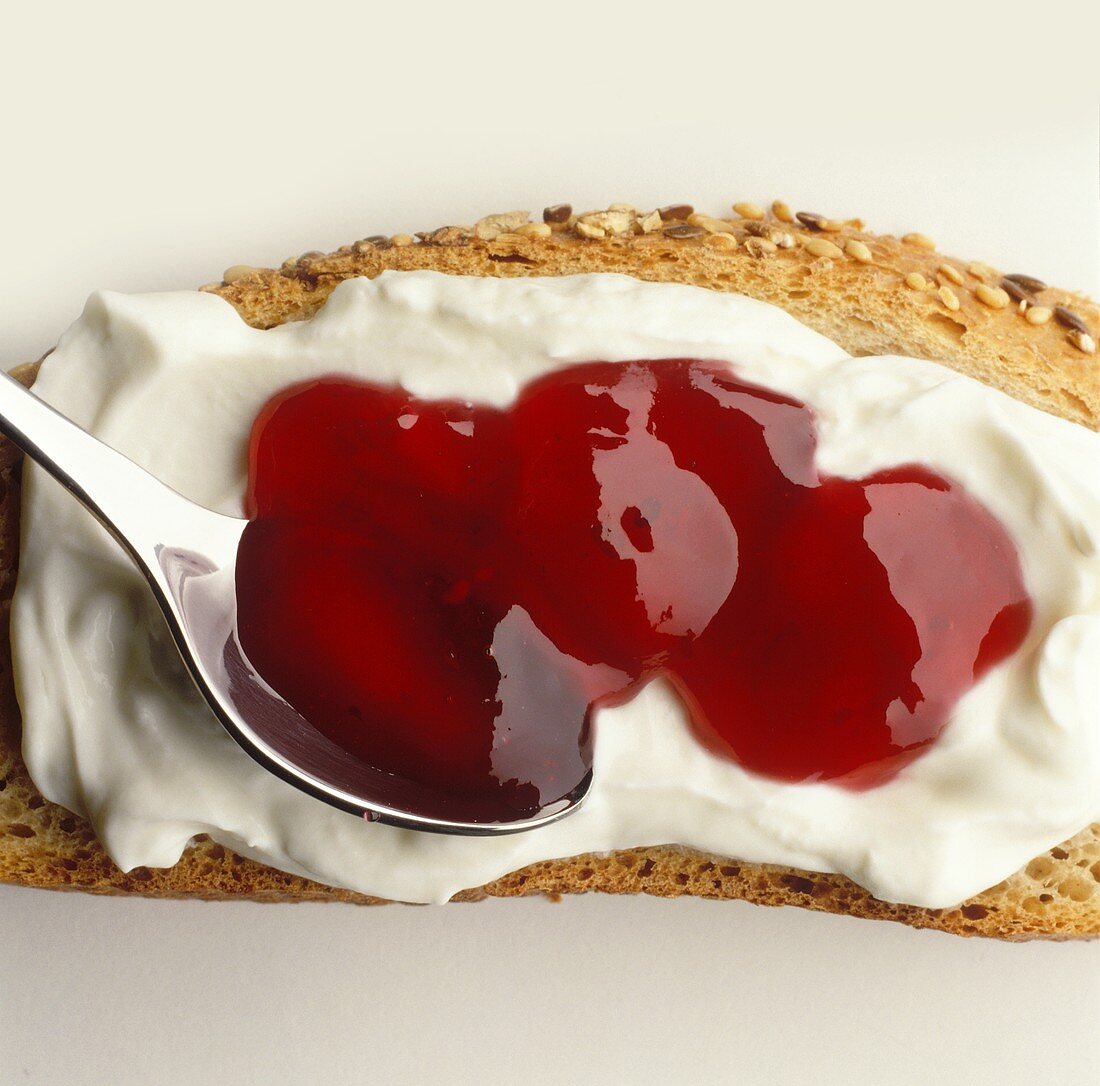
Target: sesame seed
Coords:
[[1082, 341], [721, 241], [238, 271], [1038, 314], [710, 224], [401, 241], [557, 213], [1015, 291], [979, 270], [949, 271], [949, 298], [821, 247], [916, 281], [858, 251], [920, 241], [781, 211], [534, 230], [993, 297], [1068, 319], [748, 210], [676, 212]]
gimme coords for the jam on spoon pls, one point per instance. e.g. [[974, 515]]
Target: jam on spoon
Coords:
[[449, 592]]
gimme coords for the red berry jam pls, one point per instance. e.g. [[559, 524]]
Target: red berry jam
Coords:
[[448, 592]]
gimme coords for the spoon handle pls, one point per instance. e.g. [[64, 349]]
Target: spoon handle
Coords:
[[142, 513]]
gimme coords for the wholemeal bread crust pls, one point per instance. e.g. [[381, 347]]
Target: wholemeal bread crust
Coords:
[[872, 294]]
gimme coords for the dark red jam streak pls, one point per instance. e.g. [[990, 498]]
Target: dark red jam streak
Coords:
[[448, 592]]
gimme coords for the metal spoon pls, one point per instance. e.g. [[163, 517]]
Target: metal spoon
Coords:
[[188, 556]]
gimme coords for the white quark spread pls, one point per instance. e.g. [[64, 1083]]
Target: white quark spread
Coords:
[[114, 730]]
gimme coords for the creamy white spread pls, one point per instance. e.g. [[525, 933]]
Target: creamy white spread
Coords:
[[113, 729]]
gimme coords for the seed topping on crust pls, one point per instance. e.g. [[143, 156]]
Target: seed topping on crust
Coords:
[[557, 213], [721, 241], [1027, 282], [748, 210], [492, 226], [615, 221], [920, 241], [949, 298], [237, 271], [993, 297], [676, 212], [1016, 292], [760, 247], [821, 247], [761, 233], [1082, 341], [1068, 319], [684, 230], [979, 270], [858, 251]]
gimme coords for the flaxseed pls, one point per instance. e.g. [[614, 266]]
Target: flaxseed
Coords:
[[557, 213], [1068, 319], [684, 230], [675, 212]]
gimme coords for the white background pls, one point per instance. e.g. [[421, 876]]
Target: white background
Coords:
[[150, 146]]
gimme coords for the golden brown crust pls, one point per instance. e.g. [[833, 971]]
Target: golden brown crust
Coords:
[[896, 300], [872, 294]]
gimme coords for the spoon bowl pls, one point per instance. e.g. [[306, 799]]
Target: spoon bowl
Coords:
[[187, 554]]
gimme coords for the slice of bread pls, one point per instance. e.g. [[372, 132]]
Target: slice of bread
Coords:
[[871, 294]]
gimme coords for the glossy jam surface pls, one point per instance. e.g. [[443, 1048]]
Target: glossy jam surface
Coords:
[[449, 591]]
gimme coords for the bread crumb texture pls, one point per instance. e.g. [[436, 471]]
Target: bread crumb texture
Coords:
[[872, 294]]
